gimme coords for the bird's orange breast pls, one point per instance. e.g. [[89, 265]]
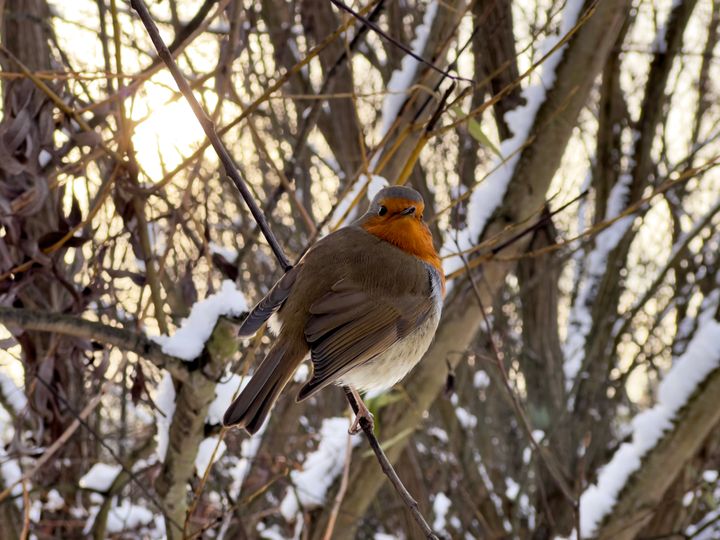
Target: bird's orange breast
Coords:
[[411, 235]]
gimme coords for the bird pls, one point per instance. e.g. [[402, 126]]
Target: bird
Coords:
[[364, 303]]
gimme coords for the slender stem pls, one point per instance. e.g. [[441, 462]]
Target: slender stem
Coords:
[[407, 50], [388, 469], [550, 463]]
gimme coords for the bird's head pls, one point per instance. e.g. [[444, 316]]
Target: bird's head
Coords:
[[395, 203]]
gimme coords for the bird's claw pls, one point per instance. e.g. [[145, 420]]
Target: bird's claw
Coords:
[[363, 412]]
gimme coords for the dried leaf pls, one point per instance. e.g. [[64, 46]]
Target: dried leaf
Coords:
[[138, 384], [87, 138], [75, 215]]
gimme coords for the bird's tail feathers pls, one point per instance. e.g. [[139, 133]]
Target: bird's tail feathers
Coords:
[[252, 406]]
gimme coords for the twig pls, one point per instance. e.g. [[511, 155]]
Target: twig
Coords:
[[389, 470], [341, 492], [375, 28], [552, 466], [209, 128], [101, 440], [232, 172], [59, 442]]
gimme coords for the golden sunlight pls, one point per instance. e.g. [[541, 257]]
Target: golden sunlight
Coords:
[[166, 134]]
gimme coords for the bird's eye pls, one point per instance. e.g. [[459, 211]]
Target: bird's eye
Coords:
[[382, 211]]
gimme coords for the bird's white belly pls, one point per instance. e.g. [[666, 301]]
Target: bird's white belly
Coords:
[[390, 367]]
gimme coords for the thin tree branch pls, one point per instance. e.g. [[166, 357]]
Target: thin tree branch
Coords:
[[553, 467], [70, 325], [59, 442], [389, 470], [375, 28], [231, 168]]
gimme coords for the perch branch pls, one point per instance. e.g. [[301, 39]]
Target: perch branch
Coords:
[[389, 470]]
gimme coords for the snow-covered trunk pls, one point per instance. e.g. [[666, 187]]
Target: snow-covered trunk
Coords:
[[589, 350], [664, 439], [209, 342]]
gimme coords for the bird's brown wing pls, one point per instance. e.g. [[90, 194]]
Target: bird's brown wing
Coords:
[[348, 327], [272, 301]]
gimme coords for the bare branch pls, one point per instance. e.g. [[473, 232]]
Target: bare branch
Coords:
[[70, 325]]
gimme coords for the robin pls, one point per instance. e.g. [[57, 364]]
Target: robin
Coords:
[[364, 301]]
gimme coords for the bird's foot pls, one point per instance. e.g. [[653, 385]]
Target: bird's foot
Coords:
[[362, 412]]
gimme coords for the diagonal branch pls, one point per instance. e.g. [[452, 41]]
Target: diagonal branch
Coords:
[[232, 172], [389, 470], [231, 168]]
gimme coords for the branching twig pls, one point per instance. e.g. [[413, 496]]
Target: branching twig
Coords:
[[375, 28], [232, 172], [59, 442], [550, 463], [101, 440]]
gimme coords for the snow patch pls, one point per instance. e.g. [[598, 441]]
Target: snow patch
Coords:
[[54, 501], [224, 392], [481, 379], [205, 453], [512, 488], [123, 517], [10, 474], [12, 393], [376, 184], [401, 79], [320, 469], [441, 506], [189, 340], [100, 477], [248, 449], [165, 402], [467, 420]]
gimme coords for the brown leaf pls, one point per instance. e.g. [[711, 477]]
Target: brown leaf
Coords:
[[138, 384], [87, 138]]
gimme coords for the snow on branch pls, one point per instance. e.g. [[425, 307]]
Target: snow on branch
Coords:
[[489, 194], [580, 322], [701, 358], [189, 340], [401, 80], [12, 395]]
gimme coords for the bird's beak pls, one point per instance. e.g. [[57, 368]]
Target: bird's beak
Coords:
[[408, 211]]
